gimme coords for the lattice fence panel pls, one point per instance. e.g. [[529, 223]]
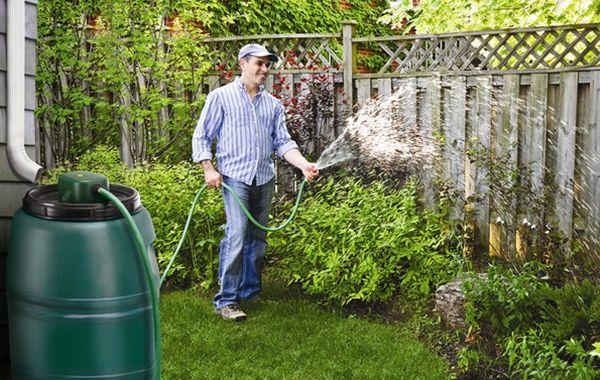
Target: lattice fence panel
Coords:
[[547, 48], [296, 52]]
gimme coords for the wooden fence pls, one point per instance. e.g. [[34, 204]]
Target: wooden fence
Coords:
[[529, 97]]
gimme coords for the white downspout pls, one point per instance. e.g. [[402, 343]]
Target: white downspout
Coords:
[[15, 93]]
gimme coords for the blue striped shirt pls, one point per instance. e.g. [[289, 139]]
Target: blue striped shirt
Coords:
[[247, 133]]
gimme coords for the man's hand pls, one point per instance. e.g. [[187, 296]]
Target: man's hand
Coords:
[[212, 177], [310, 171]]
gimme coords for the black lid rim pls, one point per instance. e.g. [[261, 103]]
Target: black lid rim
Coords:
[[43, 202]]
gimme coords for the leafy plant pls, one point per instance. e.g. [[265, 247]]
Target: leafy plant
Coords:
[[531, 355], [114, 74], [310, 114], [543, 332], [366, 243], [467, 359], [505, 299], [252, 17], [438, 16], [365, 13], [571, 311]]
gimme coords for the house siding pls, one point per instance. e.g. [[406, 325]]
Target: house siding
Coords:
[[12, 187]]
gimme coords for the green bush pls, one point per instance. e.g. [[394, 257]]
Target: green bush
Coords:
[[110, 71], [543, 332], [505, 299], [531, 355], [352, 242], [571, 311], [167, 192], [252, 17]]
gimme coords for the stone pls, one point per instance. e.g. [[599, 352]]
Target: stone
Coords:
[[450, 302]]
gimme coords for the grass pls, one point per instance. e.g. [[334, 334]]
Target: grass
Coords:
[[286, 337]]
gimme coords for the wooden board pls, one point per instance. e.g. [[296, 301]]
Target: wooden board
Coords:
[[454, 135], [363, 91], [480, 123], [590, 167], [430, 120], [534, 143], [505, 150], [565, 147]]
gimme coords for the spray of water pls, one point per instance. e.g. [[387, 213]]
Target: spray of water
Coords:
[[390, 134], [384, 134], [339, 151]]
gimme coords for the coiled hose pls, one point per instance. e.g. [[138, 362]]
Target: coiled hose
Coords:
[[250, 217]]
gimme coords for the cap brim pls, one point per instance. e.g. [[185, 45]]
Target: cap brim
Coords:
[[272, 57]]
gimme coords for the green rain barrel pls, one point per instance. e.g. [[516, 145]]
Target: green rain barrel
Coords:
[[79, 303]]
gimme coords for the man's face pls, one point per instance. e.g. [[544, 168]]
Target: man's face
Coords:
[[255, 70]]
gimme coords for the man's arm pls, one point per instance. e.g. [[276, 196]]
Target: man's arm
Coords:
[[309, 169], [208, 125]]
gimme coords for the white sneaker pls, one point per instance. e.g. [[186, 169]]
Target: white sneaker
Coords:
[[231, 312]]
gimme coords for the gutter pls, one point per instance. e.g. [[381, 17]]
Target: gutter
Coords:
[[15, 80]]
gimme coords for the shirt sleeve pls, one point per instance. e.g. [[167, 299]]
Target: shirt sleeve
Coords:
[[207, 128], [282, 141]]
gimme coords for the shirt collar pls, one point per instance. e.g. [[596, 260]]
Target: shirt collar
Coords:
[[240, 84]]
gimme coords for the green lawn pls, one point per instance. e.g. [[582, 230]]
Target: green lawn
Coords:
[[285, 337]]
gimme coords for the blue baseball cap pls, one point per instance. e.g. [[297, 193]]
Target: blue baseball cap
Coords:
[[257, 51]]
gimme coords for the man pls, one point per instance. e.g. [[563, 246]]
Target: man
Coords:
[[249, 124]]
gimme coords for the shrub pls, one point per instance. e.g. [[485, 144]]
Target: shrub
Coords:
[[543, 332], [531, 355], [352, 242], [505, 299], [571, 311]]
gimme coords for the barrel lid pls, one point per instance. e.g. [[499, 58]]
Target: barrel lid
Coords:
[[43, 201]]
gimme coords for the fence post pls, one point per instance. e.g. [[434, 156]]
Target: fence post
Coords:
[[348, 32]]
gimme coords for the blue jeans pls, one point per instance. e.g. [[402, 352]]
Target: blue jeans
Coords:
[[243, 247]]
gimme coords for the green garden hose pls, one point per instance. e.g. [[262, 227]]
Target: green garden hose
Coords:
[[250, 217], [141, 248]]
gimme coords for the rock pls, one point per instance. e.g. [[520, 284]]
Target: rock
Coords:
[[450, 302]]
